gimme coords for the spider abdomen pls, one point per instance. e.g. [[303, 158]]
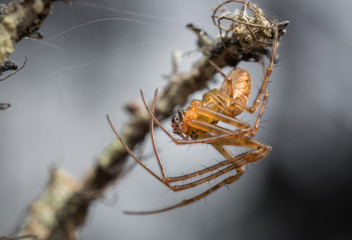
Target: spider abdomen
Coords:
[[241, 84]]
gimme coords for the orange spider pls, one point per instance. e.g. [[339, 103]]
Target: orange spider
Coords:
[[198, 124]]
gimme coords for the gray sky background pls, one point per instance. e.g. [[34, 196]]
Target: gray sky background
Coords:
[[95, 57]]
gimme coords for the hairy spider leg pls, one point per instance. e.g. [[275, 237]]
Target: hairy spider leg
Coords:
[[263, 89], [239, 168], [153, 140], [228, 180], [238, 165]]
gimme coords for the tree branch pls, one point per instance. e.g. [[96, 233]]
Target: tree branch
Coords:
[[64, 205], [19, 19]]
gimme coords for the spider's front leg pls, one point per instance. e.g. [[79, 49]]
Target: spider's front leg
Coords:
[[226, 181]]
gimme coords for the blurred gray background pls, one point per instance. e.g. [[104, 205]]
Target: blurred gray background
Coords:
[[95, 57]]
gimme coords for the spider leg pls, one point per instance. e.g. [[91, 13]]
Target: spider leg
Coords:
[[228, 180], [263, 89], [232, 162], [258, 152], [165, 182], [184, 177], [238, 140], [134, 156], [153, 141], [236, 161]]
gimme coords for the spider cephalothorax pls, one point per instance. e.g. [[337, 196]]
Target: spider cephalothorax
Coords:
[[176, 123]]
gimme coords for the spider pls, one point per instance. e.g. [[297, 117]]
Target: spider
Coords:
[[198, 124]]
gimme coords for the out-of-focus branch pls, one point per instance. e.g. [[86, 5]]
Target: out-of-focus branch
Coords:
[[59, 215], [28, 237], [19, 19]]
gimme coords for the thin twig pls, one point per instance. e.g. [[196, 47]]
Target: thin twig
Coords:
[[19, 19]]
